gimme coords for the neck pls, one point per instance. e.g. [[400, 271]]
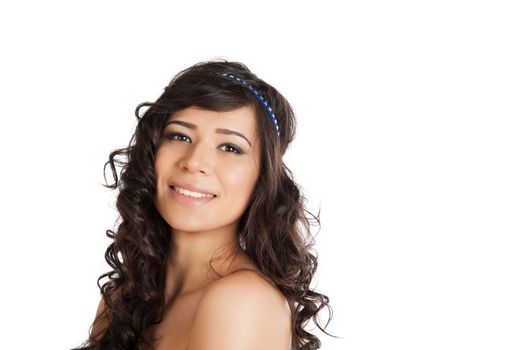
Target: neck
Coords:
[[188, 269]]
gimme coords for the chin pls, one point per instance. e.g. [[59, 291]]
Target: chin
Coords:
[[195, 225]]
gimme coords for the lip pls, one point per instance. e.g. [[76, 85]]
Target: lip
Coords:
[[189, 200], [190, 187]]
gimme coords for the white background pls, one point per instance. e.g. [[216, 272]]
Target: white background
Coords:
[[408, 139]]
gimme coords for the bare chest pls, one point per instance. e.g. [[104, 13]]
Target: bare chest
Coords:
[[174, 331]]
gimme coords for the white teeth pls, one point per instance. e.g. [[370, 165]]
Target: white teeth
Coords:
[[192, 194]]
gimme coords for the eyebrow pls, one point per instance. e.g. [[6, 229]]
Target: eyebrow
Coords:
[[217, 130]]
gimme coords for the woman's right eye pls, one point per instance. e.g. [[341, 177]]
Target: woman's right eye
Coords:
[[173, 136]]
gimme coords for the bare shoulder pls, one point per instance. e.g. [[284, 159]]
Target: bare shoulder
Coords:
[[241, 311], [246, 286]]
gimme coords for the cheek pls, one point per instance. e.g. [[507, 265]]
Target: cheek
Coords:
[[239, 183], [158, 169], [164, 158], [158, 159]]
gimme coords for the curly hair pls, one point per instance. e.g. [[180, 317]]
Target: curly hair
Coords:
[[273, 230]]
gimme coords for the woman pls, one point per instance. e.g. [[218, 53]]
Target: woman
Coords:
[[213, 250]]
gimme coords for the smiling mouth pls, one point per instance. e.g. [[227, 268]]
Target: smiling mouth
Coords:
[[192, 194]]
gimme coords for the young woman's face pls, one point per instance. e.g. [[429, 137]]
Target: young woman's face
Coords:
[[199, 147]]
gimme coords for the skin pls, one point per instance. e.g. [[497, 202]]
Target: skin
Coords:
[[203, 311], [196, 305], [208, 159]]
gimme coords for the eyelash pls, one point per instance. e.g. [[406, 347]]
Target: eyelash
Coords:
[[171, 135]]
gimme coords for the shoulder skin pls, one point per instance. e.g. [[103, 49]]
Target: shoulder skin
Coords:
[[241, 311]]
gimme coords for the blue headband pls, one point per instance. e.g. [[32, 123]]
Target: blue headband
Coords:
[[259, 97]]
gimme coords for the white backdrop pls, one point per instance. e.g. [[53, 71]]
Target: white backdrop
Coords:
[[408, 139]]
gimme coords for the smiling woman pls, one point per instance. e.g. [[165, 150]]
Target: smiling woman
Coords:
[[214, 247], [202, 156]]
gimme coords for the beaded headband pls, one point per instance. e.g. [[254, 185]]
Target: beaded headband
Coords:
[[259, 97]]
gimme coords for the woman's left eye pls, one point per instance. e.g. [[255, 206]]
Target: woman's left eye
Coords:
[[237, 150]]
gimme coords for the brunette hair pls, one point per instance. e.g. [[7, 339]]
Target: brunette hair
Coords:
[[273, 230]]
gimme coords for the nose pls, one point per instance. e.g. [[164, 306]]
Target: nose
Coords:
[[196, 159]]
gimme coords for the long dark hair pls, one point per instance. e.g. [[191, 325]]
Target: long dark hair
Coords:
[[273, 230]]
